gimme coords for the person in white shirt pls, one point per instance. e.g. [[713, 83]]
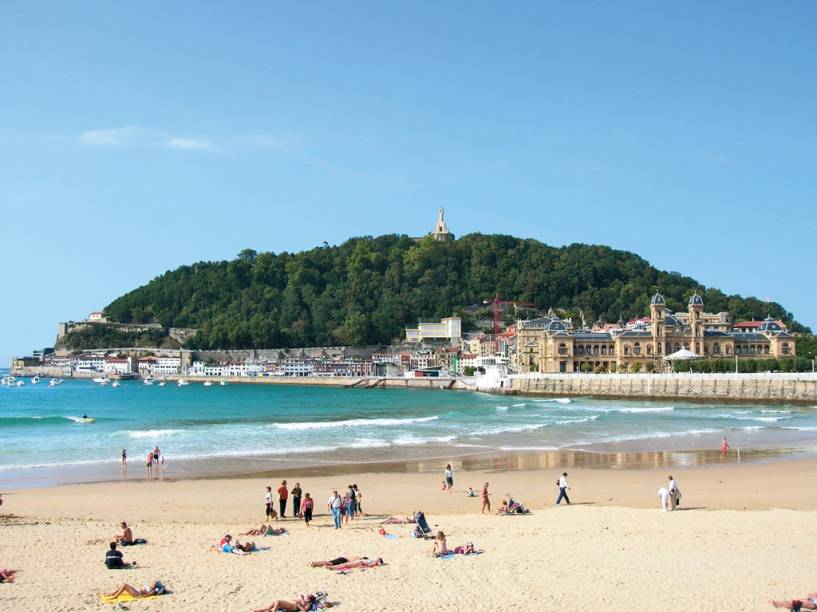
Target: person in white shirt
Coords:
[[334, 504], [562, 484], [268, 502], [449, 477]]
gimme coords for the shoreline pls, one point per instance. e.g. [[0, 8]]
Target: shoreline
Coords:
[[488, 460]]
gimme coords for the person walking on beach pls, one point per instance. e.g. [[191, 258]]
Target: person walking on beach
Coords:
[[306, 508], [724, 449], [334, 507], [296, 500], [562, 484], [352, 495], [486, 502], [449, 477], [283, 494], [124, 458], [149, 466], [268, 503]]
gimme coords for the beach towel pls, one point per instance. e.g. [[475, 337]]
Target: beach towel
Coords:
[[123, 598]]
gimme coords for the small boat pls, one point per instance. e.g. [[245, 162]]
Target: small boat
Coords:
[[161, 383], [223, 383], [182, 383], [208, 383], [35, 380], [148, 381], [7, 381], [54, 382], [19, 383], [115, 383]]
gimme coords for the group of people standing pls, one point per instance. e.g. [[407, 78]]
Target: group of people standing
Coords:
[[670, 495], [341, 507], [283, 498]]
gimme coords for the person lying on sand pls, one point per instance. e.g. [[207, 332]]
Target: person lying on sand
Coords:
[[335, 562], [398, 520], [7, 575], [157, 588], [265, 530], [304, 603], [363, 563], [807, 603]]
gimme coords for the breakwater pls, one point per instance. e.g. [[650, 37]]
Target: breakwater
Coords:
[[767, 388]]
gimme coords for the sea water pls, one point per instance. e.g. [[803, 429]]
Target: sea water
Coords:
[[41, 428]]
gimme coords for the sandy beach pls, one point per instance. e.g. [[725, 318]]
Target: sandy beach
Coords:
[[744, 534]]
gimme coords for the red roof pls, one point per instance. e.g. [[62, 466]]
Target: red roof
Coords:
[[748, 324]]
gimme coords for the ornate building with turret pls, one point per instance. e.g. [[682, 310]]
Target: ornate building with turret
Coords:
[[549, 344]]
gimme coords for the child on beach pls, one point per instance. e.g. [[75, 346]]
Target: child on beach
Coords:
[[306, 508]]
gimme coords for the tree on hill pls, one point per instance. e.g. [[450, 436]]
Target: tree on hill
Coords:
[[366, 290]]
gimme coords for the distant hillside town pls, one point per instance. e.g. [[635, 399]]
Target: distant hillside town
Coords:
[[440, 348]]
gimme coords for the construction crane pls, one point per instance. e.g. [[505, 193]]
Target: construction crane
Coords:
[[497, 305]]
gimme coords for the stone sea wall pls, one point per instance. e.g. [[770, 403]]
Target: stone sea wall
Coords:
[[702, 387]]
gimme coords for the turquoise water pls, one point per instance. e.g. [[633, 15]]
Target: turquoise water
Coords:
[[39, 428]]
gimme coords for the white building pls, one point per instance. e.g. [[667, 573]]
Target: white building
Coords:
[[96, 316], [89, 363], [449, 329], [146, 366], [117, 365], [423, 359], [167, 366]]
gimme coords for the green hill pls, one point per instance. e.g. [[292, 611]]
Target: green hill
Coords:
[[366, 290]]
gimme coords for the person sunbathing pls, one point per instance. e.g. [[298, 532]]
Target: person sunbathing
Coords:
[[265, 530], [335, 562], [126, 538], [226, 546], [157, 588], [7, 575], [807, 603], [398, 520], [363, 563], [302, 604]]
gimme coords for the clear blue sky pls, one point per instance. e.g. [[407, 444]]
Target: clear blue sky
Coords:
[[135, 137]]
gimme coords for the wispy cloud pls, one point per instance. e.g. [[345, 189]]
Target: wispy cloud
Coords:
[[138, 136], [117, 137], [189, 144]]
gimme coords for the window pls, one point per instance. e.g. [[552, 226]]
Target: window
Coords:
[[716, 349], [595, 349], [649, 349], [786, 349], [626, 349], [563, 349], [727, 350], [637, 348]]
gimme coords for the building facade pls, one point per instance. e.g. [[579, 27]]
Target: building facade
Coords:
[[447, 330], [549, 345]]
